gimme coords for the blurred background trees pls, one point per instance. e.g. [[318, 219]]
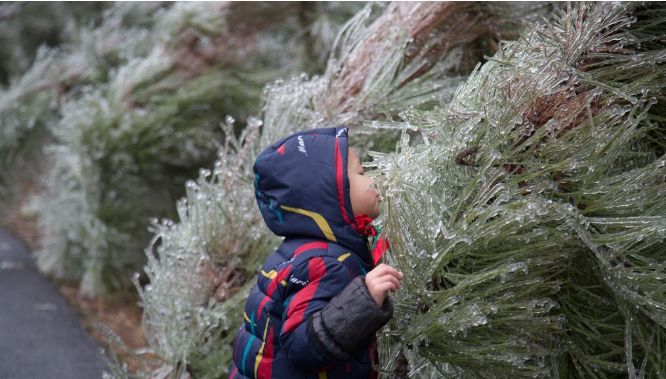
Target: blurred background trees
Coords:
[[127, 108]]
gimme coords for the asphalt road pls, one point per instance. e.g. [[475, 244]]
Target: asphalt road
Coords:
[[40, 336]]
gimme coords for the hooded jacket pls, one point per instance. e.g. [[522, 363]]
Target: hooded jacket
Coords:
[[310, 314]]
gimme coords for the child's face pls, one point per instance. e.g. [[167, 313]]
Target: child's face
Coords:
[[364, 198]]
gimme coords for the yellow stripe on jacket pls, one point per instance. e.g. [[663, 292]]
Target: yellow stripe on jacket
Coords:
[[260, 355], [318, 219]]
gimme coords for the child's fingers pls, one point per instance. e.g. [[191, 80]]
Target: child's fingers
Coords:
[[387, 279], [384, 269], [384, 287], [379, 290], [394, 280], [389, 275]]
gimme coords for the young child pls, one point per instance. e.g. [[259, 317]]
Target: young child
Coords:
[[320, 297]]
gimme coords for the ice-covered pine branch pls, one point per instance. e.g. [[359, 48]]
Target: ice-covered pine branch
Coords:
[[535, 246]]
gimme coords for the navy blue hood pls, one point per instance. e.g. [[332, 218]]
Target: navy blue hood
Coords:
[[302, 188]]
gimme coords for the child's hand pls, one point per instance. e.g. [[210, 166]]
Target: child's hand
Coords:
[[382, 279]]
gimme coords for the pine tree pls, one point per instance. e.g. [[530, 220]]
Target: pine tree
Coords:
[[201, 267], [140, 118], [73, 52], [25, 27], [535, 247]]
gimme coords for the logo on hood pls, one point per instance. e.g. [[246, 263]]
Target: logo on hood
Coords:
[[301, 146]]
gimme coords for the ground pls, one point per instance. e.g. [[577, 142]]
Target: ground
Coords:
[[121, 315]]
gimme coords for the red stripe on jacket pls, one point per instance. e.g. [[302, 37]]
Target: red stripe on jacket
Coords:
[[340, 182], [274, 283], [265, 369], [265, 300], [298, 306], [272, 286], [310, 246], [284, 273]]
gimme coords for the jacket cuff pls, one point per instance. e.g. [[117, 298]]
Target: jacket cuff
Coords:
[[323, 340], [352, 316]]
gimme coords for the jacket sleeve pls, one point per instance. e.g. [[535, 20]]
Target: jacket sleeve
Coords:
[[330, 317]]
